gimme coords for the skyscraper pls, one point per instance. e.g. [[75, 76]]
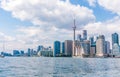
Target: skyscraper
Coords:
[[63, 48], [79, 38], [29, 52], [78, 48], [92, 50], [100, 46], [116, 50], [84, 34], [16, 53], [56, 48], [91, 40], [115, 39], [86, 46], [68, 47], [40, 48], [107, 47]]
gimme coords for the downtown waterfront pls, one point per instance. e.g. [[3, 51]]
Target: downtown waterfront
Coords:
[[59, 67]]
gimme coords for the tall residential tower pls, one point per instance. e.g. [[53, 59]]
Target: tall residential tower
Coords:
[[100, 46], [115, 39], [57, 48]]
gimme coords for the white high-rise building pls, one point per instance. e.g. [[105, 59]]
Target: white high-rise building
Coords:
[[116, 50], [100, 46]]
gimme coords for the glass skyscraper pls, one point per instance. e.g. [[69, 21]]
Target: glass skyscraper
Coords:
[[40, 48], [84, 34], [79, 38], [63, 48], [91, 40], [57, 48], [115, 39]]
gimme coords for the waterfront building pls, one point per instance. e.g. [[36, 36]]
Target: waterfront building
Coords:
[[107, 47], [68, 47], [115, 39], [79, 38], [49, 48], [100, 46], [21, 52], [16, 53], [84, 34], [30, 52], [91, 40], [57, 48], [63, 47], [46, 53], [5, 54], [92, 50], [82, 48], [116, 50], [40, 48], [86, 46], [77, 50]]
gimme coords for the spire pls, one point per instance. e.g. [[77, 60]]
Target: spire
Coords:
[[74, 28]]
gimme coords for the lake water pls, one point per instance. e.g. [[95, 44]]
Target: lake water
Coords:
[[59, 67]]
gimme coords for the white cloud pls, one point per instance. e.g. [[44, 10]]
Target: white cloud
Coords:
[[35, 35], [4, 37], [53, 20], [5, 41], [110, 5], [48, 13]]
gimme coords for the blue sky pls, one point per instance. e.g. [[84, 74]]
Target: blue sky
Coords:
[[30, 23], [9, 24]]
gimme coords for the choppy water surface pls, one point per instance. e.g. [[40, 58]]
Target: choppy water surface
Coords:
[[59, 67]]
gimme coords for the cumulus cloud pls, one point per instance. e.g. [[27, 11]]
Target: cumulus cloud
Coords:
[[48, 13], [35, 35], [53, 19], [110, 5]]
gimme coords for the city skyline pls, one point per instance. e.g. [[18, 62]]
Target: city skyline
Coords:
[[27, 24], [80, 47]]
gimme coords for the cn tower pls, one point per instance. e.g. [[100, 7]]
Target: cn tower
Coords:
[[74, 28]]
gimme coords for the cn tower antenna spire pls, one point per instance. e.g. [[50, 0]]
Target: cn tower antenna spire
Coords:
[[74, 28]]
